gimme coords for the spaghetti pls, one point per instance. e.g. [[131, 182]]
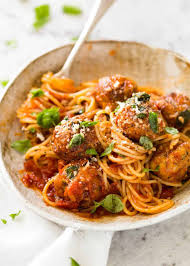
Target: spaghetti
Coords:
[[119, 164]]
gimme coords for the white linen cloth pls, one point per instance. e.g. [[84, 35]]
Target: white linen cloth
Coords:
[[30, 240]]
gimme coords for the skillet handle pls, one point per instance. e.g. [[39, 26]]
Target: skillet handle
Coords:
[[88, 248]]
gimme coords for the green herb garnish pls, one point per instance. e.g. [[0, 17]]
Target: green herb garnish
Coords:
[[42, 16], [88, 123], [72, 171], [142, 96], [77, 140], [153, 121], [3, 221], [91, 152], [171, 130], [108, 150], [185, 117], [116, 109], [48, 117], [73, 262], [4, 82], [32, 130], [37, 93], [21, 145], [14, 215], [71, 10], [111, 203], [11, 43], [141, 115], [146, 142], [146, 170]]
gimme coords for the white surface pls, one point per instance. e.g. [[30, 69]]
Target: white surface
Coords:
[[163, 23]]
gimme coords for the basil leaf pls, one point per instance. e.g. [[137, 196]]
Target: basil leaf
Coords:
[[32, 130], [88, 123], [48, 117], [146, 142], [4, 83], [183, 118], [42, 16], [142, 96], [91, 152], [66, 118], [171, 130], [73, 262], [3, 221], [14, 215], [72, 171], [108, 150], [153, 121], [37, 93], [11, 43], [142, 115], [21, 145], [71, 10], [78, 139], [146, 170], [111, 203]]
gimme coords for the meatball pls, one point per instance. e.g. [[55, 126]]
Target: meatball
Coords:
[[80, 182], [139, 116], [174, 109], [71, 139], [113, 89], [173, 163]]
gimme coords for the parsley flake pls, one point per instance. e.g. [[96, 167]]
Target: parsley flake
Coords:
[[141, 115], [42, 16], [153, 121], [146, 170], [14, 215], [71, 10], [48, 117], [32, 130], [88, 123], [77, 140], [91, 152], [21, 145], [72, 171], [146, 142], [108, 150], [171, 130], [37, 93]]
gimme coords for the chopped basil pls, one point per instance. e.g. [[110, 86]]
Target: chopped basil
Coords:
[[153, 121], [146, 142], [108, 150], [88, 123], [4, 82], [11, 43], [71, 10], [146, 170], [111, 203], [77, 140], [141, 115], [66, 118], [32, 130], [183, 118], [21, 145], [42, 16], [3, 221], [14, 215], [48, 117], [91, 152], [142, 96], [171, 130], [37, 93], [141, 108], [72, 171], [74, 262]]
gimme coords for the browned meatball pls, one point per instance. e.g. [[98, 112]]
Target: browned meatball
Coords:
[[173, 164], [80, 182], [139, 116], [113, 89], [71, 139], [174, 109]]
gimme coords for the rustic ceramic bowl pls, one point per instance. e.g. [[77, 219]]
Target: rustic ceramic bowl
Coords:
[[148, 66]]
